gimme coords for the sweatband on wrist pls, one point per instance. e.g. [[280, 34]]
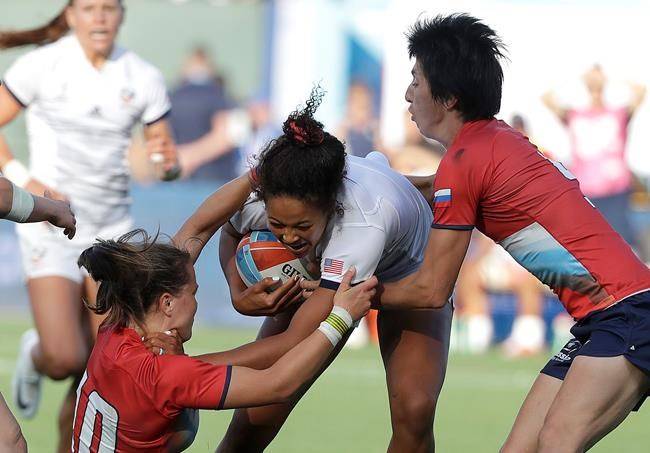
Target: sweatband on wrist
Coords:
[[16, 172], [337, 324], [22, 205]]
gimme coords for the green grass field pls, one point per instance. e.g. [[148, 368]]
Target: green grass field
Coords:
[[347, 409]]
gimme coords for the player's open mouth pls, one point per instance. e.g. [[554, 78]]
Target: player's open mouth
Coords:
[[99, 35], [297, 247]]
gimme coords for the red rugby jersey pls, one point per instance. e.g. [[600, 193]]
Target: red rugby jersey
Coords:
[[494, 179], [129, 398]]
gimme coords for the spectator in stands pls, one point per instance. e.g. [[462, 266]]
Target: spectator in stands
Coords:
[[200, 121], [262, 129], [598, 134], [418, 156], [359, 127]]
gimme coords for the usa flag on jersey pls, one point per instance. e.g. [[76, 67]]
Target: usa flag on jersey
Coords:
[[332, 266]]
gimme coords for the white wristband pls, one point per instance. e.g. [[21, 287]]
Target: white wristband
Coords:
[[22, 205], [337, 324], [16, 172]]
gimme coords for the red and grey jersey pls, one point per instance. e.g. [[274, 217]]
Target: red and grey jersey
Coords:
[[494, 179], [383, 229], [129, 399]]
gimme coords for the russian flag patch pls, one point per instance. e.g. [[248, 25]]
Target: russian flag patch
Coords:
[[442, 198]]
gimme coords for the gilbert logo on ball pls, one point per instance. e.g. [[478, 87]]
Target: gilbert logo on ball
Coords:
[[260, 254]]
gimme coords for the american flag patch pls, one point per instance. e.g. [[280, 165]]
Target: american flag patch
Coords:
[[442, 198], [331, 266]]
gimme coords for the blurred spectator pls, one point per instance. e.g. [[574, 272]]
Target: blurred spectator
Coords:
[[262, 131], [418, 156], [359, 128], [598, 134], [200, 121]]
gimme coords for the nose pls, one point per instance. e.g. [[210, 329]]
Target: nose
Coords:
[[289, 236], [408, 95]]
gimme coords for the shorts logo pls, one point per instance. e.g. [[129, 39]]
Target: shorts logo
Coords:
[[442, 198], [568, 351]]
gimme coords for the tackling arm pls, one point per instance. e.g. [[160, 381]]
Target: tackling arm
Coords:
[[431, 286]]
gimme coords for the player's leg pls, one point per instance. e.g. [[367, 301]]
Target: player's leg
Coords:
[[414, 347], [59, 350], [11, 437], [530, 419], [252, 430], [596, 396]]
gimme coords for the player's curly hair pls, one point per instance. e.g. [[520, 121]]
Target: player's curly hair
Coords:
[[305, 162], [460, 58], [133, 272]]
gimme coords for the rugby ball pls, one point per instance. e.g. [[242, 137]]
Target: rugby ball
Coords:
[[260, 254]]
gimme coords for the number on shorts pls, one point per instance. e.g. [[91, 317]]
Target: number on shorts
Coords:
[[108, 420]]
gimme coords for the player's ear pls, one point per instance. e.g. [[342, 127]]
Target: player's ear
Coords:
[[450, 103], [166, 304]]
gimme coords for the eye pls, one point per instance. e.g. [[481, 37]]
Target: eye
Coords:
[[275, 224]]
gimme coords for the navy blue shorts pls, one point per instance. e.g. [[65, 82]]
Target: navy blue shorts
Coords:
[[623, 329]]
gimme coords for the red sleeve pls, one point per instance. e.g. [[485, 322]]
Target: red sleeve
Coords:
[[457, 191], [186, 382]]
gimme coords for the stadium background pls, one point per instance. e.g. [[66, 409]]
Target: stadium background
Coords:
[[279, 49]]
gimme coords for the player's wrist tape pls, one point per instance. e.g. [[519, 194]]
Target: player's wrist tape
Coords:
[[22, 205], [337, 324], [16, 172]]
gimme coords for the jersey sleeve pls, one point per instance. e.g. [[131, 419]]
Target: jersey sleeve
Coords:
[[23, 78], [457, 191], [186, 382], [158, 104], [252, 216], [358, 246]]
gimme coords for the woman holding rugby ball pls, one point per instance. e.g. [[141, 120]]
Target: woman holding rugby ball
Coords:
[[142, 398], [342, 211], [82, 94]]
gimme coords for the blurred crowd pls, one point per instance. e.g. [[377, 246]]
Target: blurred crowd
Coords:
[[219, 137]]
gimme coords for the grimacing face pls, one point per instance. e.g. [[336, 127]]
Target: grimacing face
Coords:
[[96, 24], [425, 111], [299, 225]]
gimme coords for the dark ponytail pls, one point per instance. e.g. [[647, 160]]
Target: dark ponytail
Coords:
[[305, 162], [48, 33], [133, 272]]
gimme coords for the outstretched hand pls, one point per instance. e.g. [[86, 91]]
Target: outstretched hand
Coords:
[[355, 299], [61, 214]]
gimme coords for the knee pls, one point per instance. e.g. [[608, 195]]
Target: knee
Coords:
[[415, 411], [556, 438], [63, 364], [12, 440]]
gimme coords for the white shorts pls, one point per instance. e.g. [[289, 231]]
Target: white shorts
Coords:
[[46, 252]]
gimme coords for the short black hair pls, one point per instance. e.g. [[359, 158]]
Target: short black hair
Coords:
[[305, 162], [459, 57]]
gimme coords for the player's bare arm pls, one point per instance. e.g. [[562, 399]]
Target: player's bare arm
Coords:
[[280, 381], [266, 351], [431, 286], [212, 214]]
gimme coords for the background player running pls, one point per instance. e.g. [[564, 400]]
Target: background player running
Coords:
[[341, 211], [494, 179], [82, 94], [18, 205]]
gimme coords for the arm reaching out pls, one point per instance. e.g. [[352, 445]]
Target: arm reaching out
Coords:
[[212, 214], [20, 206], [279, 382]]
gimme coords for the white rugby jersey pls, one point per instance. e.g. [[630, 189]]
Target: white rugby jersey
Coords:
[[383, 229], [79, 121]]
